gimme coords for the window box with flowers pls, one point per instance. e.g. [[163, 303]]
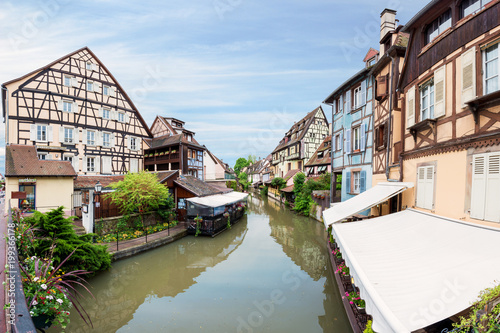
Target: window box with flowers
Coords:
[[356, 301]]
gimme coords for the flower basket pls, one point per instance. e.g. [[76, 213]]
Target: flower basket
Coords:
[[42, 321]]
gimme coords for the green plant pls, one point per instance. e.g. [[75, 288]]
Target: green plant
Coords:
[[264, 190], [53, 229], [287, 204], [355, 299], [240, 164], [229, 222], [198, 221], [342, 269], [278, 182], [368, 328], [483, 316], [50, 292]]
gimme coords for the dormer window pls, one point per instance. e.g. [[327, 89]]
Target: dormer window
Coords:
[[438, 26]]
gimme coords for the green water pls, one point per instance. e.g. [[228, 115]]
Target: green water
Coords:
[[269, 273]]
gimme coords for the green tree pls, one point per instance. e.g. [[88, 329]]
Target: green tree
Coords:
[[140, 192], [243, 180], [298, 183], [240, 164], [303, 199], [252, 159], [278, 182]]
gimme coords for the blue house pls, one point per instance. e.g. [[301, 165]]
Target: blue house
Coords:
[[352, 130]]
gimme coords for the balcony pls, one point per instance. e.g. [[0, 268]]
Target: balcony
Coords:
[[294, 156]]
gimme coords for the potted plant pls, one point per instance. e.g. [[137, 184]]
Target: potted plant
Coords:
[[356, 301], [198, 220]]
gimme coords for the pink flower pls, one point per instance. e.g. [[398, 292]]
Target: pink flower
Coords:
[[351, 302]]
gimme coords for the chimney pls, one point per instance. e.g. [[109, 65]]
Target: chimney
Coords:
[[387, 22]]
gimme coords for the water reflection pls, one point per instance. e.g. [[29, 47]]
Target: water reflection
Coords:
[[224, 284]]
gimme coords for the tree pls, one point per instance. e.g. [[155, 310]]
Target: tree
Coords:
[[278, 182], [243, 180], [298, 183], [139, 192], [240, 164], [252, 159]]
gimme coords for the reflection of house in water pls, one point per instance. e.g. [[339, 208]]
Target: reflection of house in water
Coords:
[[165, 272]]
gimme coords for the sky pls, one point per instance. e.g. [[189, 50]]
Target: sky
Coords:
[[238, 72]]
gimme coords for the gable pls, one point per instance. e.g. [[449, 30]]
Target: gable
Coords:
[[159, 128]]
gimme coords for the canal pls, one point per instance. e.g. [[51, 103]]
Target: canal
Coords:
[[269, 273]]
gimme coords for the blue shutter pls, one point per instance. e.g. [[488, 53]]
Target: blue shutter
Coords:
[[348, 141], [363, 136], [348, 182], [362, 181]]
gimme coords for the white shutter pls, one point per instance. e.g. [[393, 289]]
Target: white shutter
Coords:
[[74, 162], [440, 92], [100, 112], [75, 107], [112, 140], [76, 133], [112, 91], [363, 136], [410, 107], [126, 117], [420, 187], [33, 129], [478, 190], [84, 162], [98, 138], [61, 134], [84, 136], [363, 92], [60, 105], [492, 206], [134, 165], [113, 115], [74, 82], [332, 148], [468, 75], [341, 139], [97, 164], [334, 107], [106, 164], [50, 136], [96, 86], [95, 67], [341, 103], [348, 101], [127, 138], [347, 147], [429, 188]]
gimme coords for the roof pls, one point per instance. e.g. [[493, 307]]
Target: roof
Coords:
[[85, 48], [225, 166], [163, 176], [412, 268], [197, 187], [170, 140], [88, 182], [351, 80], [22, 160], [363, 201], [288, 189], [291, 174], [324, 147], [298, 130], [421, 13], [371, 53], [219, 199]]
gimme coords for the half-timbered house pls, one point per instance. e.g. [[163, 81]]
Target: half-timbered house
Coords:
[[300, 142], [352, 127], [320, 162], [451, 143], [73, 109], [387, 141], [173, 147]]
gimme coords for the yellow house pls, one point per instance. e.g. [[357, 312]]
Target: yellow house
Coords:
[[34, 184], [451, 111]]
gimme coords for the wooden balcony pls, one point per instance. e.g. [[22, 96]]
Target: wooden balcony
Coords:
[[160, 159]]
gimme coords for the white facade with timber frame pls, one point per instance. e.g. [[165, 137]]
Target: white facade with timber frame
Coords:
[[74, 110]]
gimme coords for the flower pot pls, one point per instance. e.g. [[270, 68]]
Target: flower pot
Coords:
[[42, 321], [360, 309]]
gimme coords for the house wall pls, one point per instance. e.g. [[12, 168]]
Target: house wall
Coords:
[[36, 100], [50, 192]]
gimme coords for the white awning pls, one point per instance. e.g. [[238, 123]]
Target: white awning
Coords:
[[414, 269], [219, 199], [363, 201]]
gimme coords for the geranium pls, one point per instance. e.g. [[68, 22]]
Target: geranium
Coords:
[[355, 299], [342, 269]]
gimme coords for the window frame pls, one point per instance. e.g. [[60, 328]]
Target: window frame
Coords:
[[66, 131], [90, 86], [108, 145], [67, 106], [42, 135], [356, 139], [119, 115], [482, 5], [133, 143], [106, 113], [67, 81], [92, 142], [354, 189], [439, 26], [425, 91], [485, 63], [356, 98], [91, 165]]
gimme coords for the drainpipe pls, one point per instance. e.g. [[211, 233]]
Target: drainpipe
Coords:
[[5, 106], [389, 124]]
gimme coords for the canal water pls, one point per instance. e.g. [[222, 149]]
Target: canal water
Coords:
[[269, 273]]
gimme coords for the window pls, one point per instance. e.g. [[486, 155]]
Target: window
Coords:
[[67, 81], [356, 138], [108, 91], [91, 164], [438, 26], [425, 187], [67, 106], [356, 182], [41, 133], [133, 143], [485, 189], [468, 7], [381, 136], [42, 156], [427, 101], [68, 135], [490, 65], [338, 142], [106, 139], [121, 117], [89, 66], [91, 138], [357, 97], [106, 113], [90, 86]]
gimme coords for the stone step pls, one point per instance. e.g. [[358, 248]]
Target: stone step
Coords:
[[79, 230]]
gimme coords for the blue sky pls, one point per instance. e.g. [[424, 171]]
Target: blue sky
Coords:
[[238, 72]]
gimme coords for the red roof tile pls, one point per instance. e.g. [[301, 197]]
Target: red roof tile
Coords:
[[22, 160], [84, 182]]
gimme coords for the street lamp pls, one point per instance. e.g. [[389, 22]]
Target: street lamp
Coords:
[[97, 191], [98, 187]]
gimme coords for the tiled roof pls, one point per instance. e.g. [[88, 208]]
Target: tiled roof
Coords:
[[371, 53], [88, 182], [197, 187], [324, 147], [298, 130], [170, 140], [288, 189], [164, 175], [21, 160], [291, 174]]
